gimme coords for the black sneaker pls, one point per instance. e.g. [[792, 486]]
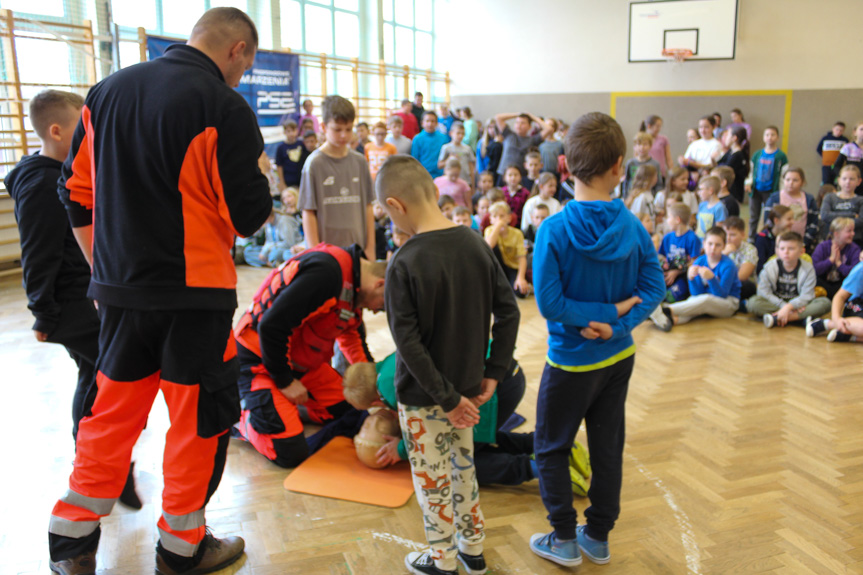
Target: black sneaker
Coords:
[[422, 564], [814, 326], [473, 564], [836, 336], [213, 555], [84, 564]]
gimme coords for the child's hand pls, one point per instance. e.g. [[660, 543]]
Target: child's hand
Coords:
[[782, 315], [465, 414], [296, 392], [670, 277], [602, 330], [693, 271], [842, 325], [624, 306], [589, 333], [487, 386], [705, 273], [389, 453], [522, 286]]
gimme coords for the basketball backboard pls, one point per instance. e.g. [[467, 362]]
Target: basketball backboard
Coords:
[[706, 27]]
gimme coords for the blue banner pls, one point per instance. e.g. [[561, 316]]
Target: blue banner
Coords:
[[271, 87]]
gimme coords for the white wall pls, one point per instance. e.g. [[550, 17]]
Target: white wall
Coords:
[[579, 46]]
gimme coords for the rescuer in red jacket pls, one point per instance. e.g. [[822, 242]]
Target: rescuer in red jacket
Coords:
[[285, 345]]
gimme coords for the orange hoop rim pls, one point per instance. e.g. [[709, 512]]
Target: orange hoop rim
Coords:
[[677, 54]]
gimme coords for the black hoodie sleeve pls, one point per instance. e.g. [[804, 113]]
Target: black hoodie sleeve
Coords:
[[42, 226]]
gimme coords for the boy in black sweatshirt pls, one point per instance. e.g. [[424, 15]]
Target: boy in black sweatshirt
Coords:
[[56, 275], [439, 307]]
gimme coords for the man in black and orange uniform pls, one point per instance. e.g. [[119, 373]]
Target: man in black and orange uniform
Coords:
[[162, 173], [285, 344]]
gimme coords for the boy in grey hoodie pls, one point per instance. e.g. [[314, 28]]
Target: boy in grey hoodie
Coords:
[[786, 286]]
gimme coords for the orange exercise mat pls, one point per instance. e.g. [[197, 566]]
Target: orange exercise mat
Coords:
[[335, 472]]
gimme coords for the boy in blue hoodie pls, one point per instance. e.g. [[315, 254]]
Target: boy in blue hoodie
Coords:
[[587, 257]]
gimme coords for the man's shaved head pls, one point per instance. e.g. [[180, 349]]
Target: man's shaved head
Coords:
[[404, 178], [220, 27]]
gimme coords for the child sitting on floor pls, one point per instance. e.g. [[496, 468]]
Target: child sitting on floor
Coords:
[[640, 199], [451, 184], [836, 256], [508, 245], [711, 211], [713, 283], [779, 220], [726, 180], [846, 321], [513, 192], [678, 248], [461, 216], [786, 286], [743, 254], [446, 205], [844, 203], [792, 195], [543, 193]]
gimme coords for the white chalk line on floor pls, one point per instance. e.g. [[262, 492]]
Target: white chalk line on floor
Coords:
[[687, 535]]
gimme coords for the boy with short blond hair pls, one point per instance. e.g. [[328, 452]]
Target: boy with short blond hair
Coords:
[[439, 308], [532, 169], [786, 286], [379, 150], [589, 261], [507, 242], [336, 190], [711, 211], [56, 275], [679, 247], [743, 254], [396, 137], [726, 180]]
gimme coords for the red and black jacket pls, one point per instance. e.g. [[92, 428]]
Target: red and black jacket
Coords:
[[164, 166], [300, 310]]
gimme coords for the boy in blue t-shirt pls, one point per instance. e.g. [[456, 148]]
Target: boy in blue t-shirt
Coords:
[[711, 210], [426, 145], [596, 277], [290, 157], [846, 317], [766, 168], [713, 283], [679, 247]]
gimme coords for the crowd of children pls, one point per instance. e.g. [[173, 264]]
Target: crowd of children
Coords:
[[504, 183], [542, 217], [801, 247]]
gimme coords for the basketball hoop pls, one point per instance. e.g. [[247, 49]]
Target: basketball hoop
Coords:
[[676, 55]]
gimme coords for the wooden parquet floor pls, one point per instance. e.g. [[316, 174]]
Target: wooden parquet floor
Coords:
[[744, 455]]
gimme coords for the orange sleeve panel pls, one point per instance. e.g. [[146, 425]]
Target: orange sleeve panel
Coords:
[[80, 184], [209, 233]]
